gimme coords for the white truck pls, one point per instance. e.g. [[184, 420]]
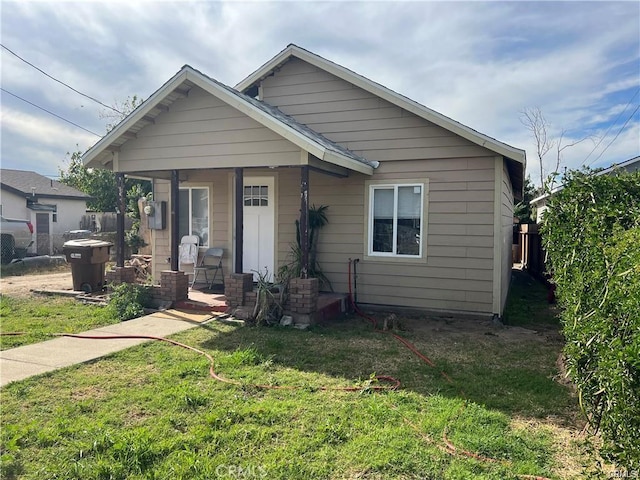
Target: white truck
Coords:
[[16, 236]]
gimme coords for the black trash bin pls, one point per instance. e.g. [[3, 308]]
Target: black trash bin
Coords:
[[87, 258]]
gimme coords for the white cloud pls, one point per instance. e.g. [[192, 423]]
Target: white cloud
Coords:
[[38, 143], [44, 131], [480, 63]]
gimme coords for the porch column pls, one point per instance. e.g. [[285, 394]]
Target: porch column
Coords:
[[239, 219], [122, 201], [304, 220], [175, 228]]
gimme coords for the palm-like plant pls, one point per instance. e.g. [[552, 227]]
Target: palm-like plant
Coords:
[[317, 220]]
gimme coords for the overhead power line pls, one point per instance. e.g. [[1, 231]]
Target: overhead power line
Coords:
[[60, 81], [617, 134], [50, 112], [609, 129]]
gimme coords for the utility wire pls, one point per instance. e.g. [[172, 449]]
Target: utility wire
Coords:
[[61, 82], [617, 134], [609, 129], [49, 112]]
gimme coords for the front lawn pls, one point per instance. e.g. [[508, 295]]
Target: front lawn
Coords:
[[153, 412], [40, 316]]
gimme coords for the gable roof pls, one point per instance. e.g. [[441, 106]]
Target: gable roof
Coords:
[[270, 117], [515, 155], [32, 184]]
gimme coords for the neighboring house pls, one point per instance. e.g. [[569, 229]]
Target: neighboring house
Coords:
[[540, 203], [52, 207], [423, 201]]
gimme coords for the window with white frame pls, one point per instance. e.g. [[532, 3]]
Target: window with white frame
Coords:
[[193, 215], [396, 220]]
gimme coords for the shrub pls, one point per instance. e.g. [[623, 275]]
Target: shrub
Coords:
[[128, 300], [592, 235]]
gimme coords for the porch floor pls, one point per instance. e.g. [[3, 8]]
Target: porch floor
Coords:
[[201, 298]]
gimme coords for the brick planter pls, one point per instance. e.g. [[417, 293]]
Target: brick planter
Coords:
[[120, 275], [174, 286], [236, 286], [303, 295]]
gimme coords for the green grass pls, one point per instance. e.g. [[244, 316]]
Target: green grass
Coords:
[[42, 315], [153, 412]]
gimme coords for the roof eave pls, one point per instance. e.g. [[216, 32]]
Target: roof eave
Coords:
[[346, 162], [99, 147]]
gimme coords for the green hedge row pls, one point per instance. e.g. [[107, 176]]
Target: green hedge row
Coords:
[[592, 235]]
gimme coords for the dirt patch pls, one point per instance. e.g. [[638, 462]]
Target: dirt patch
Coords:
[[91, 392], [452, 327], [22, 286]]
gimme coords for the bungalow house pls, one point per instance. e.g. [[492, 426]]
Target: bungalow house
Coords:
[[424, 202], [52, 207]]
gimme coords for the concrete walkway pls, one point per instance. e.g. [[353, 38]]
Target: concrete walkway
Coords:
[[24, 362]]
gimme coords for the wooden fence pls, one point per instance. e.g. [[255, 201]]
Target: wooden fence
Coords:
[[531, 255]]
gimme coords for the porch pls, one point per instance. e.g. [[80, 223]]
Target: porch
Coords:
[[216, 157], [329, 306]]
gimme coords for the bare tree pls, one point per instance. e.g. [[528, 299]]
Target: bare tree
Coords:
[[560, 147], [533, 119]]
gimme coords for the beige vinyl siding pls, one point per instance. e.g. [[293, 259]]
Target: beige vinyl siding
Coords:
[[219, 215], [357, 119], [288, 212], [202, 130], [456, 273], [507, 234], [161, 239]]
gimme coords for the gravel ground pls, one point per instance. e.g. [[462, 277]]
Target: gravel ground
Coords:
[[22, 286]]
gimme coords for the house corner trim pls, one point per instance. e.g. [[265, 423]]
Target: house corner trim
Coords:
[[497, 236]]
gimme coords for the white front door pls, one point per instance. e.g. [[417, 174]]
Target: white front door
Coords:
[[259, 226]]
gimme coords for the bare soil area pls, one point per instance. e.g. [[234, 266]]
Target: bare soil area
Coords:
[[22, 286]]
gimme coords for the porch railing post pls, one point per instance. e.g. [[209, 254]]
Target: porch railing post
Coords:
[[175, 208], [304, 220], [120, 219], [239, 220]]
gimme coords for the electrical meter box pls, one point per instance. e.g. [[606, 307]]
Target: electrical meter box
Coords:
[[156, 215]]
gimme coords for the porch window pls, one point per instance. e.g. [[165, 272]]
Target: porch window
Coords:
[[396, 220], [193, 215]]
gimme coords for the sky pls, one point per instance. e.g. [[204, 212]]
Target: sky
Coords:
[[480, 63]]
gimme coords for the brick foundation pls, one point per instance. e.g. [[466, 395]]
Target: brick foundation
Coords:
[[303, 295], [236, 286], [120, 275]]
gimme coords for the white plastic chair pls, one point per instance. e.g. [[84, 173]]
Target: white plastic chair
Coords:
[[211, 262], [188, 251]]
